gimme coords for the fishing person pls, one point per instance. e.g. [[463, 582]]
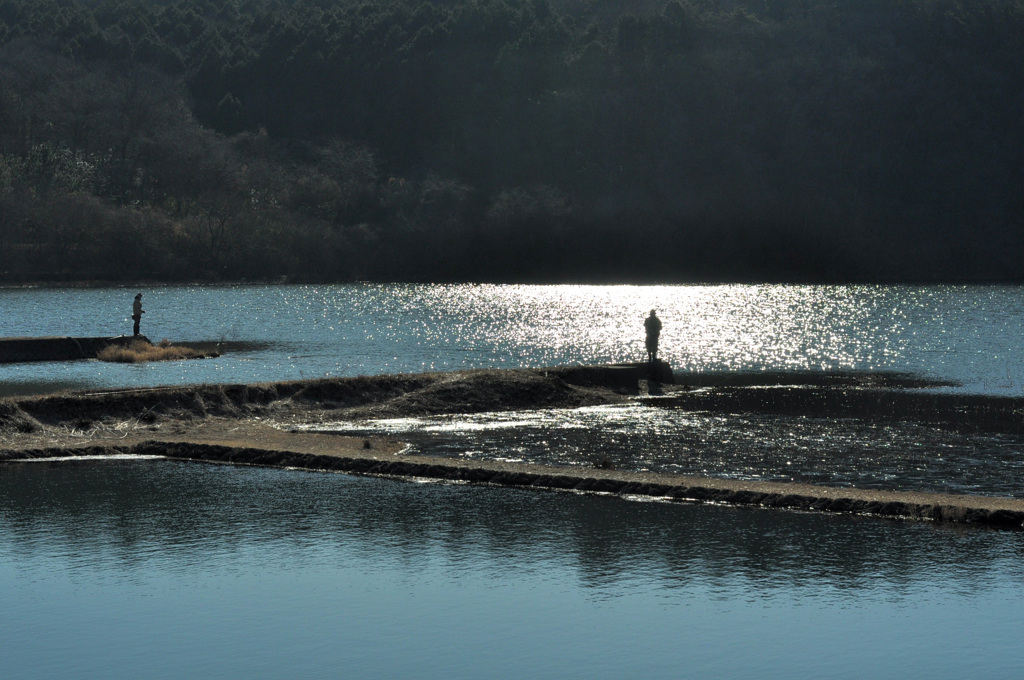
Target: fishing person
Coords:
[[137, 312], [652, 324]]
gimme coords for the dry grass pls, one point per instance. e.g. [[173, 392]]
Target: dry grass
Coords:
[[140, 350]]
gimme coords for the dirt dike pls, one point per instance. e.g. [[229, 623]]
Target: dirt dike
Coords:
[[386, 458], [59, 348], [254, 425], [359, 397]]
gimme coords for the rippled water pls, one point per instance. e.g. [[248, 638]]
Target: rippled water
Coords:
[[968, 334], [162, 569], [836, 452]]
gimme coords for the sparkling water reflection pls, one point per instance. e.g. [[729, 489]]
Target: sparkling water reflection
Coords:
[[165, 569], [968, 334]]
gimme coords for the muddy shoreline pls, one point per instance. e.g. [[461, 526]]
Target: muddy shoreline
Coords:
[[255, 425]]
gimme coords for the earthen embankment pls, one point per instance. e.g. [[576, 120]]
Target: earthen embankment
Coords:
[[389, 461], [59, 348], [229, 424]]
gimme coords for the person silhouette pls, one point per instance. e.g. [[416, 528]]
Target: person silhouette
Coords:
[[652, 325], [137, 312]]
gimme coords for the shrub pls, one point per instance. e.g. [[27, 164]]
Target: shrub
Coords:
[[140, 350]]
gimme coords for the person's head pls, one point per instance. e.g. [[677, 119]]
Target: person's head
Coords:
[[138, 296], [652, 312]]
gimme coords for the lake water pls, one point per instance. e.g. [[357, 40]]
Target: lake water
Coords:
[[150, 568], [967, 334], [159, 569]]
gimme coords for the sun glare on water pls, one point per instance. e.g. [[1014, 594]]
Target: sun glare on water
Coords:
[[722, 327]]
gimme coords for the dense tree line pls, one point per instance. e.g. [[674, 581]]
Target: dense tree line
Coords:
[[511, 139]]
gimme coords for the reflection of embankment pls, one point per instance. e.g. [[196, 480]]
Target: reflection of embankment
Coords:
[[167, 507]]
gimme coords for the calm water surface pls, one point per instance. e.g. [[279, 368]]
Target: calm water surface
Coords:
[[157, 569]]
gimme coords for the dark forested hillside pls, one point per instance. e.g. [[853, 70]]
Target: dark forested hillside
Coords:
[[549, 140]]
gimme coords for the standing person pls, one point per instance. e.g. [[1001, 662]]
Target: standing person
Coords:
[[652, 325], [137, 312]]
